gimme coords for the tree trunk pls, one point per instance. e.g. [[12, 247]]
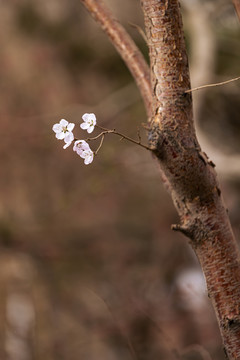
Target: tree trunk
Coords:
[[187, 171], [190, 174]]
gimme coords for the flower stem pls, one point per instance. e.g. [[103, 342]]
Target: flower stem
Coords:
[[100, 145], [108, 131]]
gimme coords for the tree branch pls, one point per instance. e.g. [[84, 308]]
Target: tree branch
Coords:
[[212, 85], [236, 3], [125, 46], [192, 178]]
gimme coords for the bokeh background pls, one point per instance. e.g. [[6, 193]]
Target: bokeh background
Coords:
[[89, 268]]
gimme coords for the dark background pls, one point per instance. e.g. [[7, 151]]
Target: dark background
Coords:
[[89, 268]]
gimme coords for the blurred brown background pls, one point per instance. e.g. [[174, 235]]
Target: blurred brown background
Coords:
[[89, 268]]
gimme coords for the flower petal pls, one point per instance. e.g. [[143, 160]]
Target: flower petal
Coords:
[[69, 137], [84, 126], [87, 156], [80, 146], [70, 126], [90, 129], [63, 122], [88, 159], [57, 128], [85, 117], [82, 155], [89, 117], [94, 120], [67, 145], [60, 135]]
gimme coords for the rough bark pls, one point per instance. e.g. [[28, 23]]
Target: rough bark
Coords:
[[191, 175], [188, 172]]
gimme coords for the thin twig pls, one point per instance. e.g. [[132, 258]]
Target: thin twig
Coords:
[[100, 145], [107, 131], [199, 350], [140, 30], [139, 135], [212, 85], [113, 131], [116, 322]]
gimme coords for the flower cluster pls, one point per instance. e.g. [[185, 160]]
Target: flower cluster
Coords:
[[63, 131], [83, 150]]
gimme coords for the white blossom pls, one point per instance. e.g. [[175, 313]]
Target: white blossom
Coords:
[[68, 139], [87, 155], [82, 148], [89, 121], [63, 131]]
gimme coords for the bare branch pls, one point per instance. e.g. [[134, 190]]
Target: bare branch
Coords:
[[213, 85], [100, 145], [236, 3], [140, 30], [125, 46], [107, 131], [199, 350]]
